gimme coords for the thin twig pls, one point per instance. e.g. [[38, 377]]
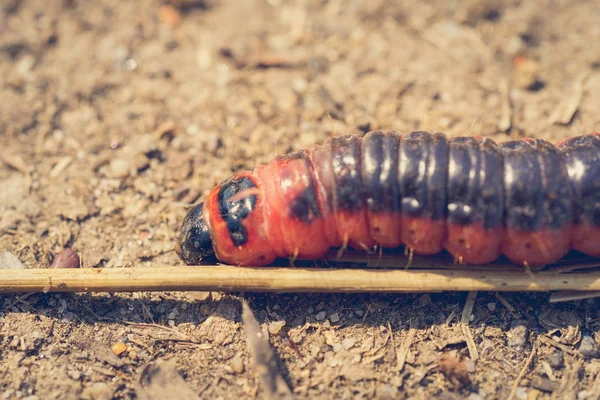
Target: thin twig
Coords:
[[465, 317], [263, 358], [515, 384], [277, 279]]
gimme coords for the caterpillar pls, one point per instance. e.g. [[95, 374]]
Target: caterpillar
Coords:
[[528, 199]]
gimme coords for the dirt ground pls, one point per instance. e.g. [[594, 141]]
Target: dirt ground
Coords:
[[115, 116]]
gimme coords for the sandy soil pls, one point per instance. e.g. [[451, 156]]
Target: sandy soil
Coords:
[[114, 116]]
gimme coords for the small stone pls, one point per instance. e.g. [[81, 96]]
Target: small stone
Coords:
[[517, 335], [133, 355], [275, 327], [491, 306], [424, 300], [9, 261], [320, 306], [348, 343], [525, 72], [169, 15], [475, 396], [67, 258], [386, 391], [320, 316], [334, 318], [521, 393], [119, 168], [75, 375], [588, 347], [470, 365], [556, 359], [119, 348], [337, 347], [237, 364], [360, 313], [97, 391]]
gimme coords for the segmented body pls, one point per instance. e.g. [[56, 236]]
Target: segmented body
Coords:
[[527, 199]]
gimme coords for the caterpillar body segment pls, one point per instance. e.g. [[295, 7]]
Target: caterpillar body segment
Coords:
[[527, 199]]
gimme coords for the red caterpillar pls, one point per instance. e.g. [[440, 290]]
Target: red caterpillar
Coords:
[[527, 199]]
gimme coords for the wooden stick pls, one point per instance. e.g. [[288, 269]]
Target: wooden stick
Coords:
[[273, 279]]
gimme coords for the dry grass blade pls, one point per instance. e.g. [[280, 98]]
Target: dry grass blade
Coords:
[[402, 352], [522, 373], [263, 358]]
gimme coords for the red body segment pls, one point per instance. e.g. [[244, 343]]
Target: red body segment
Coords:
[[257, 250], [542, 247], [586, 238], [285, 180], [473, 244]]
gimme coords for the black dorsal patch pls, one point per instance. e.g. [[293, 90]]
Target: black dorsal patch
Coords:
[[235, 211], [305, 206]]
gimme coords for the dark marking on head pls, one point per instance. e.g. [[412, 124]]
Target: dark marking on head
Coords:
[[194, 245], [235, 211], [345, 162], [305, 206]]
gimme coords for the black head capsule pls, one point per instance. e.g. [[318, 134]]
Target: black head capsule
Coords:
[[194, 245]]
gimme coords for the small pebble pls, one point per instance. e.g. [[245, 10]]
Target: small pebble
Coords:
[[119, 168], [424, 300], [275, 327], [348, 343], [237, 364], [75, 375], [119, 348], [491, 306], [9, 261], [475, 396], [320, 316], [470, 364], [556, 359], [588, 347], [334, 318], [169, 15], [97, 391], [526, 72], [133, 355], [67, 258], [517, 335]]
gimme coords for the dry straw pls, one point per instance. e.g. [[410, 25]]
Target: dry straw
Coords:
[[294, 279]]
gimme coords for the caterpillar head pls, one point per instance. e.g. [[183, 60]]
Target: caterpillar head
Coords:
[[194, 245]]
